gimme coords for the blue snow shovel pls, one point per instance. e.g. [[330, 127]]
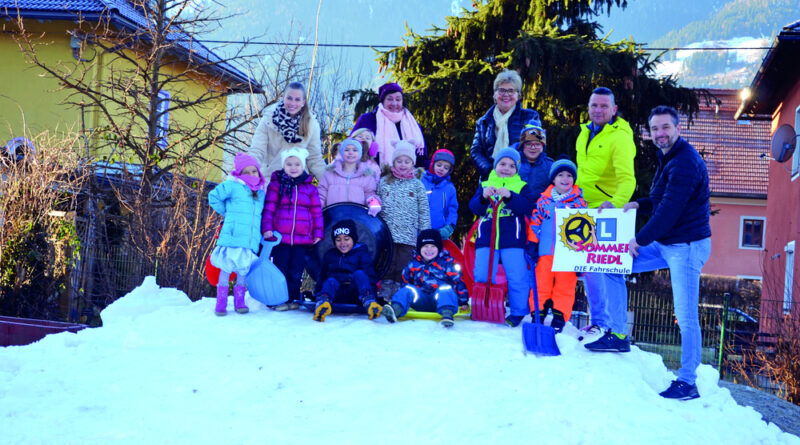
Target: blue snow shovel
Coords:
[[538, 338]]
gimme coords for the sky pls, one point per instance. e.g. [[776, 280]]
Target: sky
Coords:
[[163, 369]]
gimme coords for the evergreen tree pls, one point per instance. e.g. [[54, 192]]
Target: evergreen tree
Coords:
[[556, 48]]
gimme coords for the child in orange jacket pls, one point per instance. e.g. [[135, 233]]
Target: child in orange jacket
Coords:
[[556, 289]]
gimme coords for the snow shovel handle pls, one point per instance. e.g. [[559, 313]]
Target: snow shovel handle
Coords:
[[495, 200], [534, 288]]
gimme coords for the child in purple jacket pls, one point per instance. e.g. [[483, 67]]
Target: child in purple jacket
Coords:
[[293, 209]]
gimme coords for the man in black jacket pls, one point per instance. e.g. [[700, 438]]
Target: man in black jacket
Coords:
[[677, 236]]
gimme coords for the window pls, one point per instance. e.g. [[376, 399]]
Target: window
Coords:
[[163, 118], [788, 278], [751, 232]]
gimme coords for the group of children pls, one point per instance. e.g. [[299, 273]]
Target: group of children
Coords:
[[420, 210]]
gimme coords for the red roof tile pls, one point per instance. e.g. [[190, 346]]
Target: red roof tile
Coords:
[[730, 148]]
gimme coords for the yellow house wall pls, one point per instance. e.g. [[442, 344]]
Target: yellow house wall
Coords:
[[31, 102]]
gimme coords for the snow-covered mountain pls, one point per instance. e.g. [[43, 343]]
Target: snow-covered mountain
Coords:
[[165, 370]]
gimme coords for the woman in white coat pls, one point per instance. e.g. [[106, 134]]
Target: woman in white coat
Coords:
[[286, 124]]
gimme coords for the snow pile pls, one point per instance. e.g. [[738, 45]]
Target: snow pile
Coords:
[[166, 370]]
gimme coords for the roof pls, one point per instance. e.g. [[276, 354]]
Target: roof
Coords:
[[731, 148], [123, 14], [776, 76]]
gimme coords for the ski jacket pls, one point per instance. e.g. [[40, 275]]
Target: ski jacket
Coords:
[[431, 275], [297, 218], [405, 207], [357, 187], [485, 138], [511, 227], [442, 200], [543, 219], [605, 164], [241, 211], [679, 198], [342, 266]]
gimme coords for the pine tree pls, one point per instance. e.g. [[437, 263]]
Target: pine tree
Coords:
[[556, 48]]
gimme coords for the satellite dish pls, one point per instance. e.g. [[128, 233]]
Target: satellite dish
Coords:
[[783, 143]]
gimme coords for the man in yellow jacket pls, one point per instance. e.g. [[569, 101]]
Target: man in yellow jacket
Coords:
[[605, 152]]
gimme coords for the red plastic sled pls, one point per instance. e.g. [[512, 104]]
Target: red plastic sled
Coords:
[[212, 271], [458, 256]]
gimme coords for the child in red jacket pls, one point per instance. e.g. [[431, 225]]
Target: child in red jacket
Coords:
[[293, 209]]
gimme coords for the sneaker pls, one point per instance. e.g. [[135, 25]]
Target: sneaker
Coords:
[[447, 318], [373, 309], [514, 320], [589, 332], [389, 313], [680, 390], [323, 310], [610, 342], [283, 307]]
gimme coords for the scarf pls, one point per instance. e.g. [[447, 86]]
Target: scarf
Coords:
[[287, 125], [386, 131], [557, 197], [255, 183], [288, 183], [501, 129], [407, 175]]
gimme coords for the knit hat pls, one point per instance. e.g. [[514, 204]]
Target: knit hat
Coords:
[[563, 164], [429, 236], [533, 131], [442, 155], [242, 160], [355, 143], [404, 148], [508, 152], [298, 152], [345, 227], [388, 88]]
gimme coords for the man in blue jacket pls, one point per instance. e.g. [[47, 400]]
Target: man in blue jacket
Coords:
[[677, 236]]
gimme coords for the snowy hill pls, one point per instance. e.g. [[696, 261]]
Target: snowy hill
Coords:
[[165, 370]]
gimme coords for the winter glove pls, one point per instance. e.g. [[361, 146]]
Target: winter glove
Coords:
[[374, 207], [447, 230]]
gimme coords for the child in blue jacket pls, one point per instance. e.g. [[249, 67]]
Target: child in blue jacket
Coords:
[[442, 198], [556, 289], [431, 278], [240, 200], [347, 264], [504, 185]]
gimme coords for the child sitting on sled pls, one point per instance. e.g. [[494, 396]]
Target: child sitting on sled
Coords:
[[556, 289], [347, 264], [432, 274]]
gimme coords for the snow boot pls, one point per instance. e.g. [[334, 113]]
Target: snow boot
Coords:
[[238, 299], [610, 342], [390, 311], [680, 390], [514, 320], [557, 322], [447, 318], [222, 301], [387, 290], [373, 309], [323, 310]]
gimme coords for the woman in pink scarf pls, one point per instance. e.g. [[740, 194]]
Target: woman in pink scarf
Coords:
[[391, 122]]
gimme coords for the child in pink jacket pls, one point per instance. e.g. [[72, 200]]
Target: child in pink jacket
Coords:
[[349, 179], [293, 209]]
